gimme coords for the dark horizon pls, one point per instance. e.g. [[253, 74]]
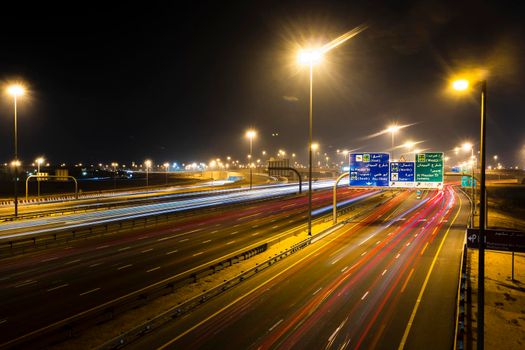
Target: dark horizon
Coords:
[[183, 83]]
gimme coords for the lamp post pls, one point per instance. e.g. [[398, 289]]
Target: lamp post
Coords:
[[250, 134], [15, 91], [147, 163], [312, 57], [469, 147], [114, 165], [393, 129], [167, 167], [39, 161], [461, 85]]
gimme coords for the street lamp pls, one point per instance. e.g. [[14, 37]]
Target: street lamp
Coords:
[[250, 134], [15, 91], [462, 85], [393, 129], [147, 163], [312, 57], [114, 165], [39, 161], [167, 167], [467, 146]]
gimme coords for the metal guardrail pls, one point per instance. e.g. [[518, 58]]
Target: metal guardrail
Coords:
[[185, 307], [54, 236], [66, 328], [460, 328]]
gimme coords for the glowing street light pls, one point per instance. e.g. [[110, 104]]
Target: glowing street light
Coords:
[[462, 85], [467, 146], [15, 91], [250, 134], [147, 164], [311, 57], [167, 167], [39, 161], [393, 129]]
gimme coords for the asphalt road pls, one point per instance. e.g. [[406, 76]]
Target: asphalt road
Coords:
[[46, 286], [386, 281], [76, 220]]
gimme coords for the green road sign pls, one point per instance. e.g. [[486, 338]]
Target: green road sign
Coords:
[[429, 170]]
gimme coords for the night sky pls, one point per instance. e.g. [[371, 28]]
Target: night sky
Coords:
[[183, 82]]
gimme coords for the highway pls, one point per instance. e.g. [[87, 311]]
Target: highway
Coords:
[[386, 281], [86, 273], [175, 203]]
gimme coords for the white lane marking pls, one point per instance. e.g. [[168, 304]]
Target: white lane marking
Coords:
[[408, 244], [344, 269], [290, 221], [3, 321], [364, 253], [332, 337], [147, 250], [95, 264], [49, 259], [217, 225], [378, 242], [234, 232], [142, 237], [273, 220], [274, 227], [383, 273], [184, 240], [365, 240], [124, 267], [89, 291], [230, 242], [235, 225], [398, 254], [255, 226], [207, 241], [275, 325], [336, 260], [153, 269], [364, 296], [26, 283], [122, 249], [173, 251], [58, 287], [415, 235], [194, 230], [199, 253], [215, 231], [317, 291], [255, 234], [71, 262]]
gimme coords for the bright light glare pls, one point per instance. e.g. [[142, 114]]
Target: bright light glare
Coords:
[[39, 160], [315, 146], [147, 163], [467, 146], [393, 128], [16, 90], [251, 134], [310, 56], [409, 144], [460, 84]]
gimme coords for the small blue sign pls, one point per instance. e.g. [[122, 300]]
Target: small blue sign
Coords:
[[402, 174], [369, 169]]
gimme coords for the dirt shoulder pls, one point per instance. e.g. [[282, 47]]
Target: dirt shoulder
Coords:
[[504, 297]]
